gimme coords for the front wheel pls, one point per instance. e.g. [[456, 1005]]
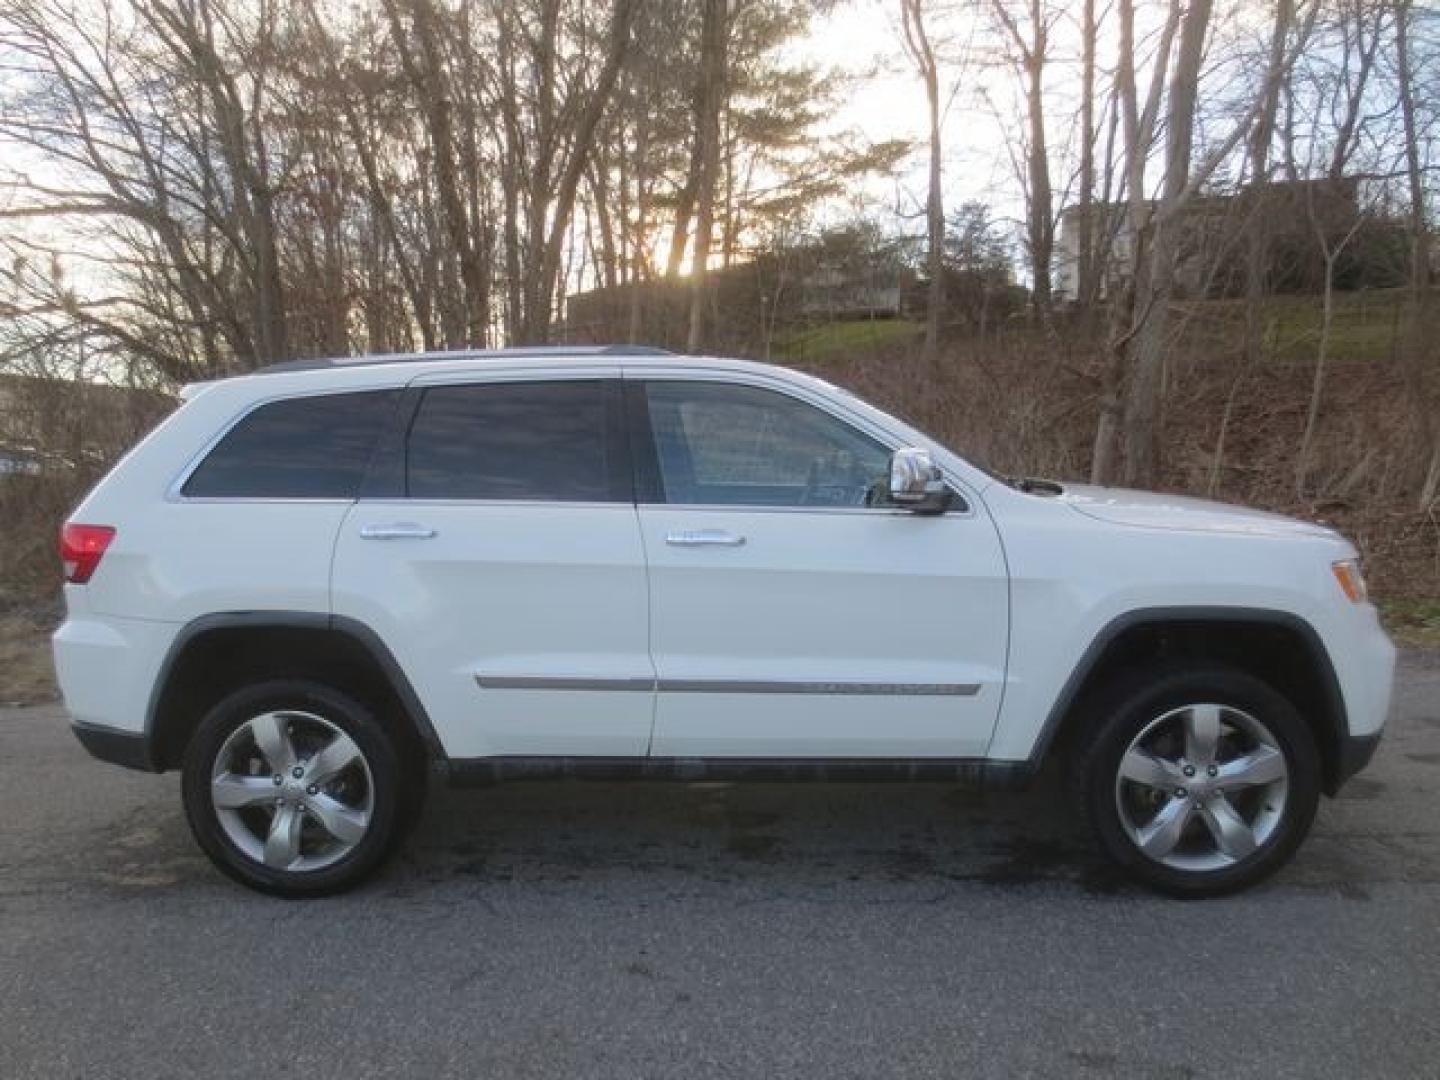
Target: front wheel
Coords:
[[1200, 781], [293, 788]]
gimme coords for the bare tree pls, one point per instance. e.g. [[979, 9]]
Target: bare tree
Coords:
[[1414, 346], [1331, 246], [1140, 343], [1085, 271], [1030, 51], [155, 119], [418, 47], [1134, 304], [921, 51], [1257, 224], [714, 36]]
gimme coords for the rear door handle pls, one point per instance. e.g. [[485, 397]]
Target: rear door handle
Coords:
[[397, 530], [704, 538]]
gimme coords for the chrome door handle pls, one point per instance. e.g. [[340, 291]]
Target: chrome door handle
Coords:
[[397, 530], [705, 537]]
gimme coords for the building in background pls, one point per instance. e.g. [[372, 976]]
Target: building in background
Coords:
[[1215, 230]]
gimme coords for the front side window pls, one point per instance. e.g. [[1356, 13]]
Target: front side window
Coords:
[[301, 448], [541, 441], [729, 445]]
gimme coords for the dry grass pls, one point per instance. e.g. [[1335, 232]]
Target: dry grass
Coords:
[[27, 676], [1412, 623]]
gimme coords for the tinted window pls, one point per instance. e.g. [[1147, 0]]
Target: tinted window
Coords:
[[542, 441], [740, 445], [311, 447]]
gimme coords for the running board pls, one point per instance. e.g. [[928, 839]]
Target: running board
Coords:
[[969, 771]]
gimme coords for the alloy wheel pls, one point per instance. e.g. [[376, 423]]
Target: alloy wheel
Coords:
[[292, 791], [1202, 787]]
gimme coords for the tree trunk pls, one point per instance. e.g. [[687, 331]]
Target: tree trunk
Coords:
[[1414, 348], [538, 317], [1085, 291], [713, 34], [1257, 230], [1105, 451], [1042, 222], [1156, 289], [922, 55], [427, 75], [1317, 382]]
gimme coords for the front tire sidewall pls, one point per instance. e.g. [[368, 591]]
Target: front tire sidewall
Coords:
[[344, 712], [1139, 700]]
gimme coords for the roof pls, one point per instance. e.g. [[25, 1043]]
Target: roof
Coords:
[[534, 351]]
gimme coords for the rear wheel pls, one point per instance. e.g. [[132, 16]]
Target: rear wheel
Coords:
[[1200, 781], [293, 788]]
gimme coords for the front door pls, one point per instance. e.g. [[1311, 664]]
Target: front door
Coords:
[[793, 613], [504, 569]]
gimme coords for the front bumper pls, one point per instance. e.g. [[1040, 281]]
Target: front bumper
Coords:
[[1355, 752], [128, 748]]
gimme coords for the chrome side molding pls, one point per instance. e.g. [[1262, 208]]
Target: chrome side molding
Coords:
[[726, 686], [561, 682]]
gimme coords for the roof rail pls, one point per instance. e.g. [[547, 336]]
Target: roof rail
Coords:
[[462, 354]]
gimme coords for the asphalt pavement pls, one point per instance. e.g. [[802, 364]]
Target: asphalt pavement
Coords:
[[587, 929]]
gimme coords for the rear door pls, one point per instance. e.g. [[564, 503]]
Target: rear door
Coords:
[[498, 555], [793, 613]]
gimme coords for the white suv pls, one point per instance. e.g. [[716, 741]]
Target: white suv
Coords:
[[313, 586]]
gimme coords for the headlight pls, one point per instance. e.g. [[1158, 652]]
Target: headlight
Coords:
[[1352, 583]]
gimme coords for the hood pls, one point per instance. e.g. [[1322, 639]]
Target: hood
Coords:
[[1151, 510]]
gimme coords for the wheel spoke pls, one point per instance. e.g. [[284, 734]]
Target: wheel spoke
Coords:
[[282, 845], [1232, 836], [1145, 768], [230, 791], [340, 821], [273, 741], [1159, 837], [1263, 765], [331, 761], [1202, 733]]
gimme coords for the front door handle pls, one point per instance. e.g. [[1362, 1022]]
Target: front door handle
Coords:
[[397, 530], [704, 538]]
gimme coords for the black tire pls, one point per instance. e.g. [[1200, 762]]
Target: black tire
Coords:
[[383, 780], [1126, 710]]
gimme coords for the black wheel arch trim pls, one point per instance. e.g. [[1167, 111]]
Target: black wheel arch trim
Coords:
[[1336, 723], [129, 749], [362, 634]]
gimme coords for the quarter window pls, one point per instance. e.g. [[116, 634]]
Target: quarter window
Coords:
[[300, 448], [532, 441], [720, 444]]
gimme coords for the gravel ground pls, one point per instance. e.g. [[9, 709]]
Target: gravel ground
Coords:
[[712, 930]]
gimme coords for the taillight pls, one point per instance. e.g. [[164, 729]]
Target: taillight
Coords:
[[81, 548]]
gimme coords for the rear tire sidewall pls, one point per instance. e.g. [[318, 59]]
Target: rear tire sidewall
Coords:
[[1138, 700], [351, 717]]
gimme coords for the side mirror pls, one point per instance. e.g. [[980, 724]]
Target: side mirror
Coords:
[[916, 482]]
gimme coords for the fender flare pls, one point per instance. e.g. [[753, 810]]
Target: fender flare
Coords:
[[1334, 724], [358, 632]]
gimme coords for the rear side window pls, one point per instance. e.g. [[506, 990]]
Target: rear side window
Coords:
[[301, 448], [542, 441]]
